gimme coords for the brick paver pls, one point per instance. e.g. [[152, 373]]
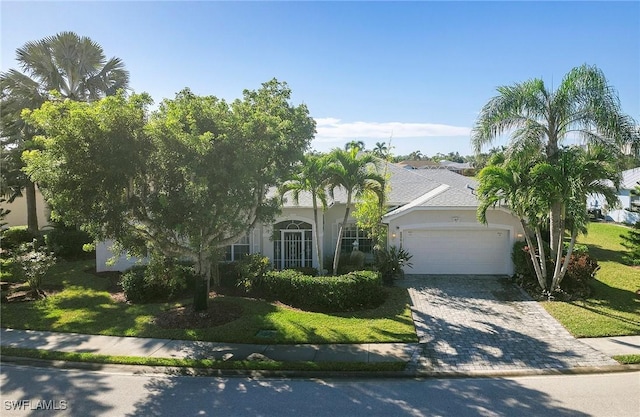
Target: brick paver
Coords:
[[471, 323]]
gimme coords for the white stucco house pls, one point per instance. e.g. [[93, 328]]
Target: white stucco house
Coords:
[[431, 214], [627, 212]]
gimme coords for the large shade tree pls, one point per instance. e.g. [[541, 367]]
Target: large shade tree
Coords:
[[185, 181], [72, 66], [354, 172], [538, 119]]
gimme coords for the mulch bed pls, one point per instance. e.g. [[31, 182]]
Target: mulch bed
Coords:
[[186, 318]]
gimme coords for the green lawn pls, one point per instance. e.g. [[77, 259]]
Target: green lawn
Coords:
[[612, 309], [85, 306]]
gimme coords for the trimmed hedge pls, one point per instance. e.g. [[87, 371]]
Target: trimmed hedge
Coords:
[[353, 291]]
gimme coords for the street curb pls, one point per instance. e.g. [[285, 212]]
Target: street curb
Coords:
[[208, 372]]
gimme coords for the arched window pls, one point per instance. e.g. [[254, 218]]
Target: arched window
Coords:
[[292, 244]]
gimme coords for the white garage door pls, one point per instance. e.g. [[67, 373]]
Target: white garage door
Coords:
[[458, 251]]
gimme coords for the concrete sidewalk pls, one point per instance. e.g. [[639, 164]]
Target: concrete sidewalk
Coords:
[[182, 349]]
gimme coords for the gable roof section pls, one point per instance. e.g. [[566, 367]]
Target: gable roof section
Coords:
[[630, 178]]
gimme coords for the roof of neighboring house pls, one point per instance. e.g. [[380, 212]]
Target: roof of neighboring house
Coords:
[[417, 188], [630, 178]]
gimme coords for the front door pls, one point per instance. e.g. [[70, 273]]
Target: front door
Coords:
[[293, 249]]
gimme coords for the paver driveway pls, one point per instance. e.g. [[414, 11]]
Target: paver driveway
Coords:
[[485, 323]]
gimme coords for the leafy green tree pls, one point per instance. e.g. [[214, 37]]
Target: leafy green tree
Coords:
[[185, 181], [73, 66], [312, 176], [355, 173], [631, 241], [539, 120]]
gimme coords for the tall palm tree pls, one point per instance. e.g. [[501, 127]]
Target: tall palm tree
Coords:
[[381, 150], [584, 105], [313, 178], [354, 144], [73, 66], [355, 173]]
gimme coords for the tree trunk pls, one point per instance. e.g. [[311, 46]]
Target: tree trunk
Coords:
[[318, 243], [32, 209], [336, 255], [203, 275], [542, 279], [555, 228]]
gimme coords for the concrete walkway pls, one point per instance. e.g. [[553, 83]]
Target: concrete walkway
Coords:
[[467, 325]]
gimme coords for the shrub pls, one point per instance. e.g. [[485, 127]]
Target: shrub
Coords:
[[352, 291], [67, 242], [32, 263], [576, 283], [306, 270], [166, 279], [580, 272], [229, 274], [251, 269], [163, 279], [631, 241], [389, 262], [134, 285], [15, 236]]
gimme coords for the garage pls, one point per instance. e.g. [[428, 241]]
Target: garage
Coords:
[[458, 251]]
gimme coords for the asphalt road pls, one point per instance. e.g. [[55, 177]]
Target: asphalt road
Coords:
[[47, 391]]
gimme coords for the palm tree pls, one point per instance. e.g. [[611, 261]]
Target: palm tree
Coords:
[[583, 105], [313, 178], [355, 173], [415, 156], [73, 66], [381, 150], [354, 144], [528, 186]]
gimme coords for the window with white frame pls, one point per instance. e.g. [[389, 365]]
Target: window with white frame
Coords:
[[351, 234], [238, 250]]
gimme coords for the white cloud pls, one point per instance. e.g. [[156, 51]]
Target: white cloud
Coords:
[[334, 130]]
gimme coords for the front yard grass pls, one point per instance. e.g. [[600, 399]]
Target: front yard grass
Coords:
[[612, 309], [84, 305]]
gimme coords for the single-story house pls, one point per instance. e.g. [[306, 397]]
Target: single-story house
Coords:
[[431, 214], [629, 209]]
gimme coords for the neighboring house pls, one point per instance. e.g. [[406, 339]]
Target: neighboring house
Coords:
[[432, 214], [629, 204], [18, 211]]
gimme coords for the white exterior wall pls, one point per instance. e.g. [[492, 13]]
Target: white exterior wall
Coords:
[[18, 215], [106, 260]]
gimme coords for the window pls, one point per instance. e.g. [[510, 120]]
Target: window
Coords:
[[238, 250], [353, 233]]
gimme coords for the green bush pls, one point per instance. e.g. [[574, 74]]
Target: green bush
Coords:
[[389, 262], [580, 273], [13, 237], [32, 263], [251, 269], [576, 282], [306, 270], [229, 274], [161, 280], [352, 291], [134, 285], [67, 242]]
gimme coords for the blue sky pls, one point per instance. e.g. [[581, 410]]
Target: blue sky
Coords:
[[417, 72]]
